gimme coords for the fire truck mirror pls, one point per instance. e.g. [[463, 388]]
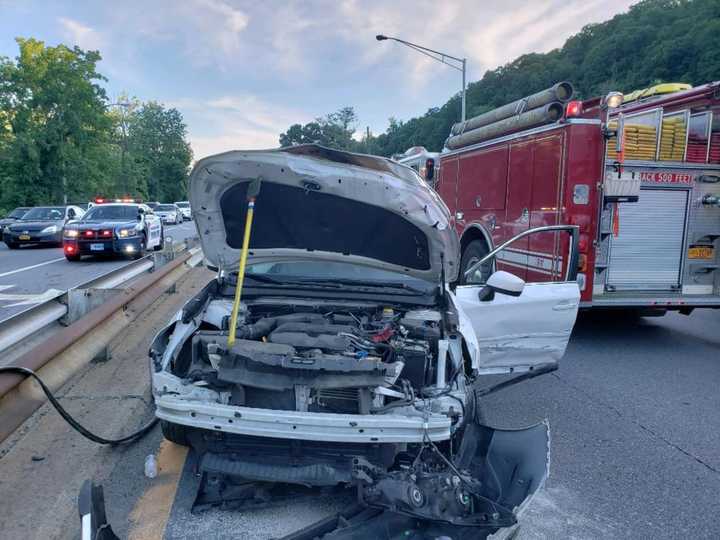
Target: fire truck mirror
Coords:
[[430, 170]]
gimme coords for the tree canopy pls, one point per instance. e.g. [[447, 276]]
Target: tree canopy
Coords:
[[655, 41], [61, 140]]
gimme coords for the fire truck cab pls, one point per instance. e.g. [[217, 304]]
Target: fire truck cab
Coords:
[[647, 205]]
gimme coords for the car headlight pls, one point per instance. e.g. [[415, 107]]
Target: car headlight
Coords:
[[49, 230], [72, 233], [126, 232]]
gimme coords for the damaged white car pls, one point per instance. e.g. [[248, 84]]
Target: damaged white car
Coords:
[[356, 362]]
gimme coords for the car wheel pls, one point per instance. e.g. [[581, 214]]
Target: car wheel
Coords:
[[143, 246], [72, 258], [474, 251], [161, 243], [175, 433], [11, 245]]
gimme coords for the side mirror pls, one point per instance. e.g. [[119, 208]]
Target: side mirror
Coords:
[[501, 282]]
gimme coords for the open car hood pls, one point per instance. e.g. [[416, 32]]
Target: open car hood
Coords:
[[321, 204]]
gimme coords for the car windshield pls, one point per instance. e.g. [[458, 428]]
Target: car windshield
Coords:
[[165, 208], [322, 271], [18, 213], [183, 204], [45, 213], [113, 212]]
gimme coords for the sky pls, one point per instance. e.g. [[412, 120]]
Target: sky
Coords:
[[241, 72]]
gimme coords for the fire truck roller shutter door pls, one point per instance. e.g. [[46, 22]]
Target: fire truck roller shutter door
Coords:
[[647, 253]]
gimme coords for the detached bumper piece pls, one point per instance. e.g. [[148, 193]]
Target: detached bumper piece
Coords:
[[494, 473], [91, 507], [487, 484]]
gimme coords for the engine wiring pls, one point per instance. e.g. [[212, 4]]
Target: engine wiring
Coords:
[[128, 439]]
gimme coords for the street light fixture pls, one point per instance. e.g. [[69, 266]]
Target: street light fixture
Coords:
[[456, 63]]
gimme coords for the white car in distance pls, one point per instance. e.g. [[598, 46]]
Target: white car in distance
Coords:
[[185, 209], [170, 214]]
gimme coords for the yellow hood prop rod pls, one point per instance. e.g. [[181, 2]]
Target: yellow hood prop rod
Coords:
[[252, 193]]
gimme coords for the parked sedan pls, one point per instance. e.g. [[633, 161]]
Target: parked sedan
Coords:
[[169, 213], [42, 225], [13, 217], [353, 360]]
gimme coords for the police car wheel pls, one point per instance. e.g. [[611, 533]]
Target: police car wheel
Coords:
[[140, 253], [72, 258], [161, 242], [11, 245]]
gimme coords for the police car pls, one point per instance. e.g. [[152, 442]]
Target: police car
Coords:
[[127, 229]]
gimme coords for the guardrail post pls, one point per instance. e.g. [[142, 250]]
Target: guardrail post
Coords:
[[81, 301]]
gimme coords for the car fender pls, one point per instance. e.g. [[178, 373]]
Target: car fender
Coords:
[[466, 331]]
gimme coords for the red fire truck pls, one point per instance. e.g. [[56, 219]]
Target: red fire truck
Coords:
[[653, 248]]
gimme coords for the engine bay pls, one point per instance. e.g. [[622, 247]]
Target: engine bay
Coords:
[[348, 359]]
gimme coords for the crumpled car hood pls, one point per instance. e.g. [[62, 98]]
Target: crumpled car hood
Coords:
[[317, 203]]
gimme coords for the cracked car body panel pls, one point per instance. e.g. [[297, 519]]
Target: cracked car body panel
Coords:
[[391, 193]]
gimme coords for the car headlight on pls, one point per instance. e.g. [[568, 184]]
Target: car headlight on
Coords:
[[72, 233], [49, 230], [126, 232]]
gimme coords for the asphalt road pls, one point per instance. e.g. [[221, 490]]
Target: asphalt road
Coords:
[[634, 414], [31, 274]]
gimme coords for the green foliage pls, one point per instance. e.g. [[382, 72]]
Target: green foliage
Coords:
[[334, 130], [158, 153], [656, 41], [55, 123], [61, 140]]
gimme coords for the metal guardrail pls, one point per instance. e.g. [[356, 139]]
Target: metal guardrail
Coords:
[[79, 300]]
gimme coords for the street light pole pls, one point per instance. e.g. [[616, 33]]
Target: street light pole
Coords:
[[459, 64]]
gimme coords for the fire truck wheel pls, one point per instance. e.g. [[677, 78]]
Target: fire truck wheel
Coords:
[[474, 251]]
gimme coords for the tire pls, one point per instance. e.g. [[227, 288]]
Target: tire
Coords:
[[11, 245], [143, 246], [161, 243], [72, 258], [474, 251], [175, 433]]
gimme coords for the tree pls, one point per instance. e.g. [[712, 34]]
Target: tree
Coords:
[[55, 133], [158, 152], [334, 130]]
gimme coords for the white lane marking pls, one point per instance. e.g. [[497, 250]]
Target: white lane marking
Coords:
[[28, 299], [31, 267], [5, 287]]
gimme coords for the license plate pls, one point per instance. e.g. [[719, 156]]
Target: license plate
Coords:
[[701, 252], [97, 247], [24, 237]]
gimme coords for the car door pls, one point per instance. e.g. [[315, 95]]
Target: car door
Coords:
[[523, 332]]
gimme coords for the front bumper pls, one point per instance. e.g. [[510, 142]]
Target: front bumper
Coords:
[[124, 246], [33, 237], [310, 426]]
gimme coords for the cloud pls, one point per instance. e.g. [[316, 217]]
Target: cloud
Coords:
[[81, 35], [233, 122]]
